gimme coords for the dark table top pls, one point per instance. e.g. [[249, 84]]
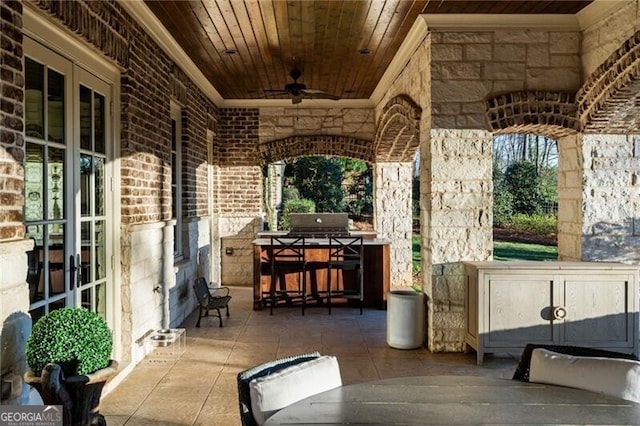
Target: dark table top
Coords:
[[446, 400]]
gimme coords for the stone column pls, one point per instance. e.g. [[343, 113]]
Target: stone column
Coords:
[[456, 198], [570, 198], [611, 198], [14, 317], [393, 216]]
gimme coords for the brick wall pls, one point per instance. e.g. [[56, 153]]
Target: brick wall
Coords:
[[236, 154], [11, 122], [149, 82]]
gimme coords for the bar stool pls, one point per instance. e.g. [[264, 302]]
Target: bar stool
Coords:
[[287, 256], [345, 254]]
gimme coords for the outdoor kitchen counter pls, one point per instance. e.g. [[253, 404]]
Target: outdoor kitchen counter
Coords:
[[375, 269]]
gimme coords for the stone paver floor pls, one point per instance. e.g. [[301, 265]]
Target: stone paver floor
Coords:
[[200, 387]]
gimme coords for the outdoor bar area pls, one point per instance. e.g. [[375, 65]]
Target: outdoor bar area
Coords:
[[313, 236]]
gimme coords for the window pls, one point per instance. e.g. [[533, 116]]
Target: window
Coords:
[[176, 177]]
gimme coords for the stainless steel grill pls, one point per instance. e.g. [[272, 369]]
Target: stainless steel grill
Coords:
[[318, 225]]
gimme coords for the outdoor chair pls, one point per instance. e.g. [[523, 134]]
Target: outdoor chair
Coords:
[[345, 255], [210, 298], [522, 370], [265, 389], [245, 377], [287, 256]]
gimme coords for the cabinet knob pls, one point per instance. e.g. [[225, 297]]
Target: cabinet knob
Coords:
[[559, 312]]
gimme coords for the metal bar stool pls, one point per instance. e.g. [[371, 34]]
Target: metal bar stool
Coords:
[[346, 254], [287, 256]]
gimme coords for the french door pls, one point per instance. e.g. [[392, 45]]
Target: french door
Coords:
[[67, 152]]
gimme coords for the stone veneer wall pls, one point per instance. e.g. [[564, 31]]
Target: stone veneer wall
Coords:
[[458, 210], [611, 204], [603, 38], [280, 123], [393, 218], [570, 199], [393, 199], [469, 66]]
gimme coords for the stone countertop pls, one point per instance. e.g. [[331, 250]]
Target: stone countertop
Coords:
[[264, 240]]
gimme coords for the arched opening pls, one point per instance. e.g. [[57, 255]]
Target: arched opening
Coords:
[[525, 197], [322, 184]]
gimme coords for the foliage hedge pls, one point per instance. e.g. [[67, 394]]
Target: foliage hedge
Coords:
[[300, 205], [538, 224], [75, 338]]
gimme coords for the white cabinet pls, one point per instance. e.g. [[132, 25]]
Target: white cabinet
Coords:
[[510, 304]]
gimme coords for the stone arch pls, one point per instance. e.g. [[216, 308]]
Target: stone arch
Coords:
[[553, 114], [397, 137], [607, 101], [305, 145]]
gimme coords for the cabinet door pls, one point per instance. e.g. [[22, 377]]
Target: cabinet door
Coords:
[[519, 310], [599, 310]]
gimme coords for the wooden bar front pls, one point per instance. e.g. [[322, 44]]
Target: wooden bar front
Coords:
[[376, 271]]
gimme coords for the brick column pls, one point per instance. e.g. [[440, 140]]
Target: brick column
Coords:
[[392, 216], [14, 291], [456, 196]]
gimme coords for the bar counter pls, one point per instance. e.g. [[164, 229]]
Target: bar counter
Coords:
[[376, 271]]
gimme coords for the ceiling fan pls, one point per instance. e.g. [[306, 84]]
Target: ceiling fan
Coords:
[[298, 91]]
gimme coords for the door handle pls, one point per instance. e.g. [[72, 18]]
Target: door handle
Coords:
[[559, 312], [75, 271]]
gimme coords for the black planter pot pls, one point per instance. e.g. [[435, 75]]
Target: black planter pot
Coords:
[[79, 395]]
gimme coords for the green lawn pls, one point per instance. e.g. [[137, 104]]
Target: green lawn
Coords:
[[502, 250]]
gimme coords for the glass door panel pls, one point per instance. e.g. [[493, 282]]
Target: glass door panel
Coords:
[[46, 181], [67, 143], [93, 250]]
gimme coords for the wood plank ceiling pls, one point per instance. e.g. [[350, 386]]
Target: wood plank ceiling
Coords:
[[343, 47]]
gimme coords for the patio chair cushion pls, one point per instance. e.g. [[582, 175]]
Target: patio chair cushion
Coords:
[[615, 377], [280, 389]]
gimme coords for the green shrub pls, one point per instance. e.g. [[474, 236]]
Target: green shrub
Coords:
[[301, 205], [522, 181], [502, 207], [534, 224], [77, 339]]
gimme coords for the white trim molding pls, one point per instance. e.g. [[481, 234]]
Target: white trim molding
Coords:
[[152, 25], [475, 22], [414, 39], [599, 10]]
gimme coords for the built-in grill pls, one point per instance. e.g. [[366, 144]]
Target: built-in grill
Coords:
[[319, 225]]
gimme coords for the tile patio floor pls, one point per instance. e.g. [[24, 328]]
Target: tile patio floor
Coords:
[[200, 387]]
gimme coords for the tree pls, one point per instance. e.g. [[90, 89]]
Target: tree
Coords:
[[522, 181], [319, 179], [357, 185], [536, 149]]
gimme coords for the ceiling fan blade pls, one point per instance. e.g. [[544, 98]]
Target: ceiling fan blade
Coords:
[[319, 94], [276, 91]]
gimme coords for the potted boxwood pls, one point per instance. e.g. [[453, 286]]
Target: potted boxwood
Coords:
[[68, 354]]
